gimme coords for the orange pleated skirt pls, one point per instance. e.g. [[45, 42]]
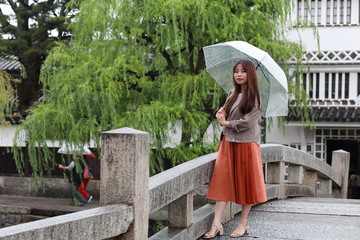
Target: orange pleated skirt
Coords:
[[238, 174]]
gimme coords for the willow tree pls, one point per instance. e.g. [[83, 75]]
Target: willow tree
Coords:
[[141, 64], [6, 95]]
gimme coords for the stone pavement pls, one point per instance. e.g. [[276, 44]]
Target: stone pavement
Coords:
[[302, 218]]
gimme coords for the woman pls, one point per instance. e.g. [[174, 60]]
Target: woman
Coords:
[[238, 175]]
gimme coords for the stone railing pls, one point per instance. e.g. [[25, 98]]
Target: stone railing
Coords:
[[129, 196], [288, 172], [123, 192], [96, 223], [296, 173], [175, 188]]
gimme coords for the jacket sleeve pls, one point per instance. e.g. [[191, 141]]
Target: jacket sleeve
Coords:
[[227, 98], [247, 121]]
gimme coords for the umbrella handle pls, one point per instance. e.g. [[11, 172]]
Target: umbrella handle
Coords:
[[216, 110]]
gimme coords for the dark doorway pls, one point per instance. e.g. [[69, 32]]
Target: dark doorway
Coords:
[[353, 147]]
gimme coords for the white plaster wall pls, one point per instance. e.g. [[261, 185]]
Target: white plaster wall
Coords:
[[7, 134], [212, 133], [339, 38], [292, 134]]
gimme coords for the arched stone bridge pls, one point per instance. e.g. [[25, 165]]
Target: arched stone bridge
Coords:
[[128, 196]]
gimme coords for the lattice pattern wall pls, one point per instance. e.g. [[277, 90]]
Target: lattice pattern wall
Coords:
[[331, 57]]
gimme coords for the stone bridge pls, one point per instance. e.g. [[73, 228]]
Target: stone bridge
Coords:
[[128, 196]]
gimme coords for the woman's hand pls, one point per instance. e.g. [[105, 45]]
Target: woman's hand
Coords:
[[62, 167], [220, 117]]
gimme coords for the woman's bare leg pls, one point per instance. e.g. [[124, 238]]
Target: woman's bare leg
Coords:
[[245, 210], [242, 227], [217, 226], [219, 210]]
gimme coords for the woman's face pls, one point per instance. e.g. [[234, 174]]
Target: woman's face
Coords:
[[240, 75]]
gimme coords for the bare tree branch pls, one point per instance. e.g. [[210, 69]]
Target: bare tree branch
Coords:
[[13, 5], [25, 4], [50, 2], [63, 8], [170, 65], [191, 53], [3, 20], [200, 61], [63, 14]]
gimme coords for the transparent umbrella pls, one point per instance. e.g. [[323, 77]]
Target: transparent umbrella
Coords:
[[74, 150], [220, 59]]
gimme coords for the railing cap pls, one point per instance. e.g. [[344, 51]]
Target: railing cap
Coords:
[[340, 151], [125, 130]]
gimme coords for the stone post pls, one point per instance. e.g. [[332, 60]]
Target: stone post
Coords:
[[341, 164], [325, 188], [276, 175], [125, 176], [310, 180], [181, 211], [295, 174]]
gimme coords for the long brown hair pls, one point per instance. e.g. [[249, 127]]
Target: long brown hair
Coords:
[[250, 95]]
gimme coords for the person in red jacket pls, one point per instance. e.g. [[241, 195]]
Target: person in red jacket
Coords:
[[80, 179]]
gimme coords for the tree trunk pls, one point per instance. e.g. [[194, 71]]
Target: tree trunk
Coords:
[[29, 88]]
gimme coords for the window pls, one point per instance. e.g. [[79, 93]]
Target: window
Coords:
[[358, 85], [333, 81], [336, 85], [311, 83], [324, 12], [322, 135], [346, 90], [339, 85]]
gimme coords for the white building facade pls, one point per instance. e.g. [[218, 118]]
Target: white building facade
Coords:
[[333, 83]]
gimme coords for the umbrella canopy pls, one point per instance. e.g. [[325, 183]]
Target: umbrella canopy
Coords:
[[74, 150], [220, 59]]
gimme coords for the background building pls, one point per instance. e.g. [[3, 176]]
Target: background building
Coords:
[[333, 83]]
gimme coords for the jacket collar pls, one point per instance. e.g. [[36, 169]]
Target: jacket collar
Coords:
[[236, 104]]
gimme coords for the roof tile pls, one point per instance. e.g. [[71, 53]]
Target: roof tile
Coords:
[[330, 114]]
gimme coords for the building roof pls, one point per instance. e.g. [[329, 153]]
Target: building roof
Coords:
[[15, 119], [9, 63], [340, 114]]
